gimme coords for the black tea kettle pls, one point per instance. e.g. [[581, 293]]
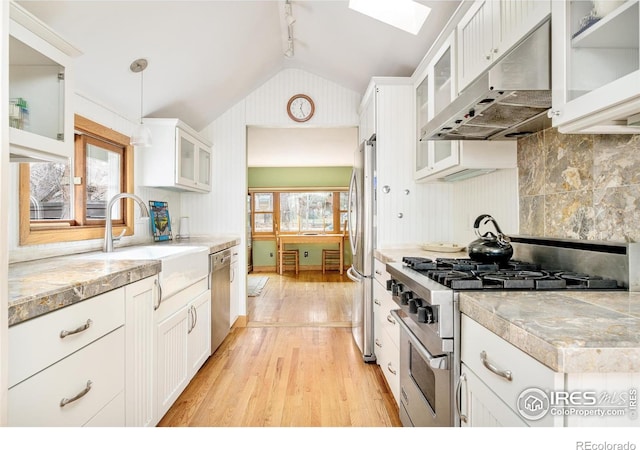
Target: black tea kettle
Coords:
[[489, 248]]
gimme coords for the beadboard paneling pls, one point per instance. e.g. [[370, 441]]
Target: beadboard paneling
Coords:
[[495, 193]]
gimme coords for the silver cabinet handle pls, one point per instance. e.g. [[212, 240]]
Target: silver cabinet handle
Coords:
[[501, 373], [378, 344], [391, 320], [390, 369], [195, 316], [192, 315], [378, 272], [377, 302], [80, 329], [159, 287], [79, 395], [462, 378]]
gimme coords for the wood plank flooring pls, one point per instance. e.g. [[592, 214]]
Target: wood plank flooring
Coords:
[[294, 365]]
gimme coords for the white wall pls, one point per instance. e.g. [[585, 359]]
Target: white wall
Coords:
[[223, 211], [142, 233]]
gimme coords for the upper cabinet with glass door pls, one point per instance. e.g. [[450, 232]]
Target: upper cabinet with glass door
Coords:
[[178, 159], [434, 92], [40, 90], [596, 66]]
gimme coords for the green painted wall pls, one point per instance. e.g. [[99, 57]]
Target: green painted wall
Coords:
[[264, 254], [296, 177], [299, 177]]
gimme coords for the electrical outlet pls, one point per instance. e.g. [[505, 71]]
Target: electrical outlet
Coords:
[[271, 255], [306, 254]]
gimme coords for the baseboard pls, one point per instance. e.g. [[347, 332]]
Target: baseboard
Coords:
[[272, 269]]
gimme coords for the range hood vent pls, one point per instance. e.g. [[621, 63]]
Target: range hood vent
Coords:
[[508, 101]]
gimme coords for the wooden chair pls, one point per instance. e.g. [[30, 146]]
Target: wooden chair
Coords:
[[286, 258], [331, 257]]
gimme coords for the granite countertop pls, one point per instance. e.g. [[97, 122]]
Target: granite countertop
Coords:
[[568, 331], [41, 286]]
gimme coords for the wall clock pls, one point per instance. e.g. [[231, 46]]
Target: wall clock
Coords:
[[300, 108]]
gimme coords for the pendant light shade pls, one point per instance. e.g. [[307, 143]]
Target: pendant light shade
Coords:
[[141, 136]]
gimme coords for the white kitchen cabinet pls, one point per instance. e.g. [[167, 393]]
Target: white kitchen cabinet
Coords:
[[368, 113], [386, 331], [199, 332], [182, 340], [481, 407], [490, 29], [73, 390], [494, 374], [435, 90], [596, 67], [178, 159], [141, 300], [458, 160], [40, 90]]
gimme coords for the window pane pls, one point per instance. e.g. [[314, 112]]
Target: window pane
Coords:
[[306, 211], [264, 223], [263, 202], [344, 201], [103, 181], [50, 196]]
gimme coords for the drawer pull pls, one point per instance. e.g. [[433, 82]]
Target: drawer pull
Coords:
[[80, 329], [378, 273], [501, 373], [390, 369], [391, 320], [377, 302], [66, 401], [378, 344]]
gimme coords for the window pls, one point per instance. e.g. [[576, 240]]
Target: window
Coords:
[[299, 211], [67, 202]]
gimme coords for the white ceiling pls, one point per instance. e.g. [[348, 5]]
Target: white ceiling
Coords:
[[204, 56]]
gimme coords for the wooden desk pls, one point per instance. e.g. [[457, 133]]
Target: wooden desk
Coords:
[[314, 239]]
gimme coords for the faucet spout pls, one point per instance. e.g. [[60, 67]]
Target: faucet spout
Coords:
[[108, 227]]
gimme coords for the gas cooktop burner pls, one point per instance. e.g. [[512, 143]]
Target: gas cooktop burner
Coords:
[[463, 273]]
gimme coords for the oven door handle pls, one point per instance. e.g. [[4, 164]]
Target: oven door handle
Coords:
[[436, 362]]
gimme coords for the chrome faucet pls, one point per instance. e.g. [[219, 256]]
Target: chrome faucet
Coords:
[[108, 227]]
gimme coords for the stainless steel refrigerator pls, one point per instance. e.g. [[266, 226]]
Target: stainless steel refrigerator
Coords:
[[362, 228]]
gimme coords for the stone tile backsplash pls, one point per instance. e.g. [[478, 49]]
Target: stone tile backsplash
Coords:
[[580, 186]]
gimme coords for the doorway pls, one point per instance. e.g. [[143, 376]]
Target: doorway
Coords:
[[309, 298]]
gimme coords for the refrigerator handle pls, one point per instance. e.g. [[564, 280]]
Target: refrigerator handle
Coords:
[[353, 275], [350, 226]]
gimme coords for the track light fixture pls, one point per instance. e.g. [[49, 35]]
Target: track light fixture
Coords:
[[289, 20]]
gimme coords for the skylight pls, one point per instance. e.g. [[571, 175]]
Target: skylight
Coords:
[[407, 15]]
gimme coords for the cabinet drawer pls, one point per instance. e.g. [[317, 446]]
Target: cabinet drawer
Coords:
[[380, 272], [526, 372], [388, 358], [36, 344], [387, 321], [36, 401]]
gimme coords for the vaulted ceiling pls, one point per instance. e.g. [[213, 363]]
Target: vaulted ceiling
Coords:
[[204, 56]]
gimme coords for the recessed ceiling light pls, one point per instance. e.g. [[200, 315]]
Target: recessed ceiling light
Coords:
[[407, 15]]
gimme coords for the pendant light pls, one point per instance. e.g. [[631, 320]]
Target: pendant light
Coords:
[[141, 136]]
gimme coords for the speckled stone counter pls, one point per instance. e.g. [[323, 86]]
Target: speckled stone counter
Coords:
[[41, 286], [568, 331]]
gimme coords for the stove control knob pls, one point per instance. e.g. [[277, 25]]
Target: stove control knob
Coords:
[[414, 303], [425, 314], [406, 296], [397, 289], [390, 284]]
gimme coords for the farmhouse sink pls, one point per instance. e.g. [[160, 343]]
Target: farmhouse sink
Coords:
[[182, 265]]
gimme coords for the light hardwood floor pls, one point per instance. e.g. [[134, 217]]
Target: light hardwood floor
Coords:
[[295, 364]]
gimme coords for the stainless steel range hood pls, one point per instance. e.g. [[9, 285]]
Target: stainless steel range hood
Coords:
[[508, 101]]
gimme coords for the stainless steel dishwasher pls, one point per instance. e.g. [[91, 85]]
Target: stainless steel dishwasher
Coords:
[[220, 284]]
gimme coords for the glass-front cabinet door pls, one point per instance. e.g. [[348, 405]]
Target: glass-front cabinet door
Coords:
[[433, 94], [186, 159], [204, 167], [40, 77], [598, 62]]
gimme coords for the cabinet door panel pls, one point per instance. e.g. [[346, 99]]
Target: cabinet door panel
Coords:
[[199, 340], [172, 359], [474, 43]]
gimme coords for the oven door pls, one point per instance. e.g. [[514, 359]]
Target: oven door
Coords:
[[425, 383]]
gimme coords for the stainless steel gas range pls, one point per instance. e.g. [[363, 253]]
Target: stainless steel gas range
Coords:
[[427, 294]]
